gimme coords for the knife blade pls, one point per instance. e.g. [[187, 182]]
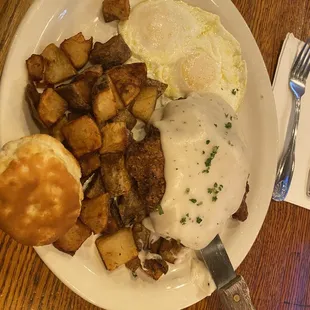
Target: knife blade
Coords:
[[233, 290]]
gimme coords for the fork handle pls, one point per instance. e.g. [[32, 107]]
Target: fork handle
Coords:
[[287, 162]]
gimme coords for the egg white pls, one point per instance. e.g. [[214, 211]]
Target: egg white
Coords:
[[187, 48]]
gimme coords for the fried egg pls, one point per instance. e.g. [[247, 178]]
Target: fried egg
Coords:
[[187, 48]]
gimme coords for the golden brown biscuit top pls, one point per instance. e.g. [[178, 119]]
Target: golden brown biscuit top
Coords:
[[39, 199]]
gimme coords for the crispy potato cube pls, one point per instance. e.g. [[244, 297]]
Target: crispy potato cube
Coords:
[[161, 87], [32, 98], [104, 104], [155, 268], [155, 246], [134, 264], [115, 10], [90, 74], [77, 49], [82, 135], [35, 67], [114, 52], [56, 130], [73, 239], [115, 138], [141, 235], [145, 103], [95, 187], [95, 213], [58, 67], [127, 117], [77, 94], [51, 107], [115, 176], [169, 249], [131, 208], [118, 249], [127, 81], [89, 163]]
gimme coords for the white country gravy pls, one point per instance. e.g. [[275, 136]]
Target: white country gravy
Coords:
[[206, 168]]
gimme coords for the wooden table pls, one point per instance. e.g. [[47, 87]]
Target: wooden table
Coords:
[[277, 268]]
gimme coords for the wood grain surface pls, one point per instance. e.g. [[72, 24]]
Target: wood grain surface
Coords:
[[277, 269]]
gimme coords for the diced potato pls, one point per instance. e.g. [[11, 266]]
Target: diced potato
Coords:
[[90, 74], [115, 176], [77, 49], [118, 249], [169, 250], [58, 67], [161, 87], [56, 130], [51, 107], [96, 187], [155, 268], [82, 135], [131, 207], [114, 52], [134, 264], [115, 138], [127, 81], [104, 104], [127, 117], [95, 213], [35, 67], [77, 94], [73, 239], [32, 98], [89, 163], [145, 103], [115, 10], [141, 235]]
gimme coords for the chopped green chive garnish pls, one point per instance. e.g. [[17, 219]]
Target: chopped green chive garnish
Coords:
[[208, 141], [234, 91], [183, 220], [198, 219], [214, 198], [193, 200], [228, 125], [160, 210]]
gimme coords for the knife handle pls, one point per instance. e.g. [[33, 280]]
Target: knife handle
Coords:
[[236, 295]]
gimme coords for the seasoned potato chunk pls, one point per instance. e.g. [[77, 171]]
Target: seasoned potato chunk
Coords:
[[118, 249], [115, 138], [90, 74], [82, 135], [58, 67], [113, 53], [96, 187], [127, 81], [161, 87], [32, 98], [51, 107], [155, 246], [114, 221], [155, 268], [169, 249], [95, 213], [131, 208], [145, 103], [104, 104], [77, 49], [56, 130], [134, 264], [127, 117], [141, 235], [89, 163], [115, 176], [73, 239], [35, 67], [115, 10], [77, 94]]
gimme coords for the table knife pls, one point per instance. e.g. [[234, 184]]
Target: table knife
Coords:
[[233, 290]]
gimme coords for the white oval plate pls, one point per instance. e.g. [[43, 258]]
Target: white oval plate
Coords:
[[52, 21]]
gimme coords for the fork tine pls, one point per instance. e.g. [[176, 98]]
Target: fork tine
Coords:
[[306, 67], [300, 58]]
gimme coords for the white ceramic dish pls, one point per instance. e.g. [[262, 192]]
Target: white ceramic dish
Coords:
[[52, 21]]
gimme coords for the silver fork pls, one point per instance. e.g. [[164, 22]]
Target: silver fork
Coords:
[[298, 76]]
